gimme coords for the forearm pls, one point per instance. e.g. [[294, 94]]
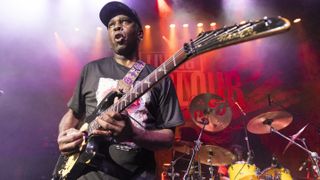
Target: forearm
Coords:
[[154, 139], [68, 121]]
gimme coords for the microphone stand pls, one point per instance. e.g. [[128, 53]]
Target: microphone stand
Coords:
[[250, 154], [195, 149]]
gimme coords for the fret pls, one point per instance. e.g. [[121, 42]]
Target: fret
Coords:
[[130, 97], [164, 68], [147, 82], [135, 91], [156, 76], [141, 85], [125, 101], [174, 60], [119, 106]]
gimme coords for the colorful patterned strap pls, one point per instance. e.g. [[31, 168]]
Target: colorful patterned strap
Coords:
[[125, 84]]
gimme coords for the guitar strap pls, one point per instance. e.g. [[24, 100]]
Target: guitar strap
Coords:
[[126, 83]]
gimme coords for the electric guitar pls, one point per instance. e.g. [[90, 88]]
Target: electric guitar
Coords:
[[70, 167]]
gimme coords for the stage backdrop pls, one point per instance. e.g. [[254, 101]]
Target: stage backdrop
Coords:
[[44, 45]]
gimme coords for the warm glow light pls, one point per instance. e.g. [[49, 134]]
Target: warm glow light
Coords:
[[97, 48], [297, 20], [172, 25], [164, 9], [185, 25], [68, 62], [243, 22], [200, 25], [147, 39], [213, 24]]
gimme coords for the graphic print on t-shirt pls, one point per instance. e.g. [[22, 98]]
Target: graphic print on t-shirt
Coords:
[[137, 110]]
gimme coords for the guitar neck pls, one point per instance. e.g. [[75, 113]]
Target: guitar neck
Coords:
[[205, 42]]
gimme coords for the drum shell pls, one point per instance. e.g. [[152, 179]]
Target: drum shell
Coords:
[[275, 173], [243, 171]]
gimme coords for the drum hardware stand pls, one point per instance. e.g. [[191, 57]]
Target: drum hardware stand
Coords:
[[196, 149], [211, 170], [172, 174], [313, 155], [250, 153]]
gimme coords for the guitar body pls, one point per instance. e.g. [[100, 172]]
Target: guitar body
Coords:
[[71, 167], [68, 168]]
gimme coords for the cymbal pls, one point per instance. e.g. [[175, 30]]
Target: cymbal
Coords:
[[211, 108], [262, 123], [183, 146], [294, 137], [215, 155]]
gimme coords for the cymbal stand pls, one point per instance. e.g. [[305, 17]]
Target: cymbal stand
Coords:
[[313, 155], [196, 149], [173, 163], [250, 153]]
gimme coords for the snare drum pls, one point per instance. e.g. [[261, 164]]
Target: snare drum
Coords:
[[242, 171], [275, 173]]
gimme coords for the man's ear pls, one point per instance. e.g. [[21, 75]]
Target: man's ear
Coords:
[[140, 34]]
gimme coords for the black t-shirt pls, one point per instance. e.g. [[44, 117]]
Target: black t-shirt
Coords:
[[156, 109]]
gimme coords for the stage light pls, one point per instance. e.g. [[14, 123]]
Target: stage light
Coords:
[[76, 29], [147, 39], [172, 25], [200, 25], [297, 20], [163, 8], [213, 24], [243, 22], [185, 25]]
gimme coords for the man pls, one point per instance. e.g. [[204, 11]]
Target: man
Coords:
[[149, 122]]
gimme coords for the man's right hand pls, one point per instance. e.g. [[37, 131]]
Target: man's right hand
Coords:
[[69, 140]]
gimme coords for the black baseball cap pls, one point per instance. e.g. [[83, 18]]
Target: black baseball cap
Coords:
[[115, 8]]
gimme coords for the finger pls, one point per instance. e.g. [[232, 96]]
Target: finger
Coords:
[[67, 147], [116, 99], [70, 131], [107, 117], [102, 132], [70, 137], [107, 124]]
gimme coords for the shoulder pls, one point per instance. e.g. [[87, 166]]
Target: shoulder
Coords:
[[100, 62]]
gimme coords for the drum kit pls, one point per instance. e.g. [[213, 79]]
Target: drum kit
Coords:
[[211, 113]]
